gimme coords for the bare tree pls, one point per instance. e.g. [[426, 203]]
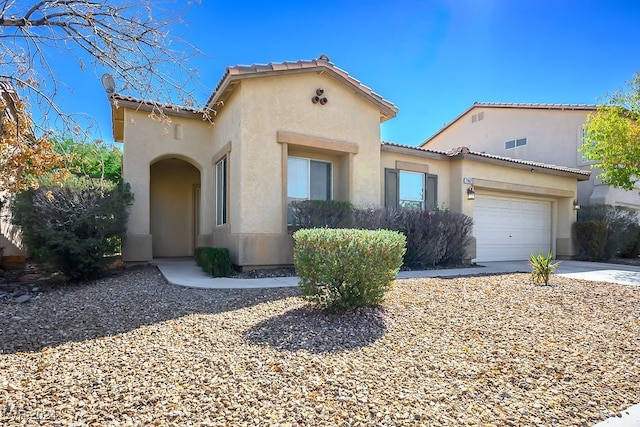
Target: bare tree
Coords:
[[131, 39]]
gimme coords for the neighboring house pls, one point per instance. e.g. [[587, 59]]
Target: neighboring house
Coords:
[[548, 133], [308, 130], [10, 235]]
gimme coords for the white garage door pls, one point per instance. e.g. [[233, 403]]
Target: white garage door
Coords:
[[508, 228]]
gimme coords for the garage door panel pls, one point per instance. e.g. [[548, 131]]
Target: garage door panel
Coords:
[[508, 228]]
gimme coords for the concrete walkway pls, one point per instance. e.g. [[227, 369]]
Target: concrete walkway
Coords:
[[185, 272]]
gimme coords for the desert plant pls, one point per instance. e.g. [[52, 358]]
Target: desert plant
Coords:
[[591, 239], [73, 227], [214, 261], [342, 269], [542, 267]]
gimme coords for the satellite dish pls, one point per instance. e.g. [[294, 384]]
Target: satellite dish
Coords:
[[108, 83]]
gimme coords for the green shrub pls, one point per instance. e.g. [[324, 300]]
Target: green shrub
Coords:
[[214, 261], [341, 269], [542, 267], [622, 227], [433, 237], [73, 227], [632, 249], [321, 213], [591, 239]]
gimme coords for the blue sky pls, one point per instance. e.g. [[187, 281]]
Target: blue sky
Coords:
[[432, 59]]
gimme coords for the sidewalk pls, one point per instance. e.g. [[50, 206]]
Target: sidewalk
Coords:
[[185, 272]]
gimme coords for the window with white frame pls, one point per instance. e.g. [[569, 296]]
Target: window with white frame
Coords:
[[221, 192], [308, 179], [515, 143]]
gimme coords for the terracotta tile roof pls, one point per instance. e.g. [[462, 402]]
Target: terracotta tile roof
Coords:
[[136, 103], [232, 74], [464, 152], [524, 106]]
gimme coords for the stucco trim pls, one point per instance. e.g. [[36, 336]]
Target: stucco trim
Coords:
[[318, 143], [412, 167], [507, 187], [222, 152]]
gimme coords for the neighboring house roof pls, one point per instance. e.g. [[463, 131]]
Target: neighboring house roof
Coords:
[[233, 75], [586, 107], [464, 152]]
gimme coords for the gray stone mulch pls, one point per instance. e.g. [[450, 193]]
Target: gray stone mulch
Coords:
[[131, 349]]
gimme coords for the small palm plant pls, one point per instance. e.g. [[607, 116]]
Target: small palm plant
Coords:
[[541, 268]]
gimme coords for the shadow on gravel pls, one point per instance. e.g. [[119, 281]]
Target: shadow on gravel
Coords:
[[113, 305], [319, 332]]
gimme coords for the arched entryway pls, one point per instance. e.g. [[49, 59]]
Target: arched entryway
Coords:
[[174, 203]]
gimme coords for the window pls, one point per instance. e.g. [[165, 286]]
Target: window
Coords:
[[308, 180], [411, 190], [515, 143], [406, 189], [221, 192]]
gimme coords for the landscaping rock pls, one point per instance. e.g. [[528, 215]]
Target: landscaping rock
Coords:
[[492, 350], [22, 299]]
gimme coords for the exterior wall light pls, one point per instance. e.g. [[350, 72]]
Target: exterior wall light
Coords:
[[471, 193], [576, 205]]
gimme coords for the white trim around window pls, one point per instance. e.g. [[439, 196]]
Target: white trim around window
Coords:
[[221, 191]]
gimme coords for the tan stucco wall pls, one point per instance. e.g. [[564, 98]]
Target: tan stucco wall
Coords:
[[147, 141], [260, 111], [491, 178], [253, 129], [283, 104], [553, 136], [172, 205], [559, 190]]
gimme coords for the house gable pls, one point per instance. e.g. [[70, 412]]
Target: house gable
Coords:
[[322, 65]]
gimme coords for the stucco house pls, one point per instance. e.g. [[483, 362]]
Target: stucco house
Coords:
[[309, 130], [547, 133]]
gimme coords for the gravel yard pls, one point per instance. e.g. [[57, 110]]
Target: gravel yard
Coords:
[[495, 350]]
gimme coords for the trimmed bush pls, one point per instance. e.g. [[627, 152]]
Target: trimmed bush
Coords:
[[73, 227], [321, 213], [342, 269], [622, 228], [433, 237], [214, 261], [591, 239]]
